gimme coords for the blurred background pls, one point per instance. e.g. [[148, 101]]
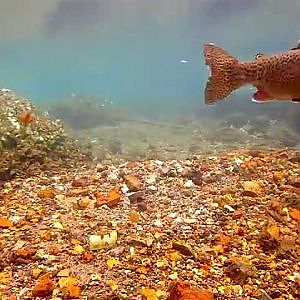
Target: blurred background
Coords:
[[98, 63]]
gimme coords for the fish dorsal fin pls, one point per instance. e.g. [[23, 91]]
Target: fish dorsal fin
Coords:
[[258, 55], [297, 47]]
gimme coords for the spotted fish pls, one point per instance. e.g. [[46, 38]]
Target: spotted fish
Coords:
[[276, 77]]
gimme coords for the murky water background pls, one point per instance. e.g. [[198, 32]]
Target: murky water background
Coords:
[[98, 64]]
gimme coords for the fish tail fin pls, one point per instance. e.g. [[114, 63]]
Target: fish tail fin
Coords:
[[226, 73]]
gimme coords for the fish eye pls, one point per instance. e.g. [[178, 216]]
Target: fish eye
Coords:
[[258, 55]]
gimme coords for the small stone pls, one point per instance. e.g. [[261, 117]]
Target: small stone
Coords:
[[60, 198], [118, 251], [112, 199], [151, 179], [136, 197], [84, 203], [173, 276], [132, 182], [157, 223], [64, 273], [96, 242], [80, 182], [46, 193], [237, 270], [229, 208], [189, 184], [141, 206], [195, 176], [178, 220], [113, 176], [124, 188], [5, 223], [57, 225], [165, 170], [152, 188], [295, 214], [183, 248], [43, 288], [184, 291], [140, 242], [79, 192], [190, 220], [251, 188], [277, 176], [173, 215], [36, 272]]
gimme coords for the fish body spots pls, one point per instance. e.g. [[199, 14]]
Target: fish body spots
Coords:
[[277, 76]]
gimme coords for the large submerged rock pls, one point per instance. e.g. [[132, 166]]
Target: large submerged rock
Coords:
[[42, 130], [32, 144]]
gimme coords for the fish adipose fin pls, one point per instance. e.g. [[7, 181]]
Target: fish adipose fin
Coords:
[[226, 74]]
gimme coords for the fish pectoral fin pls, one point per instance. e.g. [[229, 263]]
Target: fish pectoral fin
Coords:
[[261, 95], [258, 101], [262, 101]]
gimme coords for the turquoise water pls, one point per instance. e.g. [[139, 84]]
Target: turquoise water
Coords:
[[131, 51]]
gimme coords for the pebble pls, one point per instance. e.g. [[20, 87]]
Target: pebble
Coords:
[[132, 182], [173, 215], [124, 188], [165, 170], [60, 198], [142, 206], [151, 179], [190, 220], [113, 176], [136, 197], [229, 208], [96, 242], [180, 170], [157, 223], [152, 188], [179, 220], [84, 203], [186, 228], [189, 184]]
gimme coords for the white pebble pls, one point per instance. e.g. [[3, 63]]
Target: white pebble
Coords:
[[157, 223], [151, 179], [173, 215], [124, 188], [178, 220], [229, 208], [152, 188], [189, 184]]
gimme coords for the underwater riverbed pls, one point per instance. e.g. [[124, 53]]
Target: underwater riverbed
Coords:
[[151, 210]]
